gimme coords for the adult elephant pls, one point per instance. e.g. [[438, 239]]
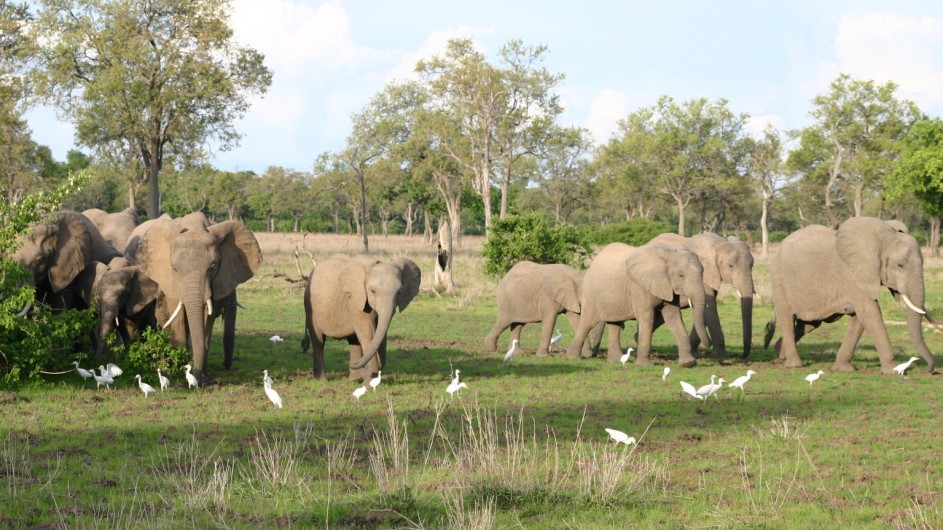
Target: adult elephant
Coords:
[[354, 298], [56, 251], [197, 267], [629, 283], [535, 292], [819, 275], [725, 260], [126, 302], [115, 227]]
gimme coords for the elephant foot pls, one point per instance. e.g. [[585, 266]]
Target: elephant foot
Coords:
[[720, 354], [542, 353], [887, 370], [793, 363], [642, 361], [687, 362], [845, 367]]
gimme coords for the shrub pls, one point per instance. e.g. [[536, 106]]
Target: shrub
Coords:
[[531, 237], [635, 232], [151, 350]]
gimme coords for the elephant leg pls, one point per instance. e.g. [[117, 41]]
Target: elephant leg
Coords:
[[595, 341], [848, 346], [869, 314], [672, 316], [491, 340], [230, 306], [786, 345], [516, 328], [574, 320], [356, 352], [615, 349], [586, 323], [712, 321], [382, 353], [546, 331], [369, 370], [317, 352], [646, 320], [207, 335]]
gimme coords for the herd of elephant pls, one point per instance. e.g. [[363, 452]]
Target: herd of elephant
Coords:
[[817, 275], [182, 274]]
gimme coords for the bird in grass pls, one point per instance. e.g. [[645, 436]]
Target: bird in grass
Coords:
[[689, 389], [265, 378], [665, 372], [275, 339], [455, 379], [625, 357], [620, 437], [711, 389], [359, 392], [511, 352], [273, 396], [146, 388], [742, 380], [111, 369], [702, 391], [901, 368], [191, 379], [164, 382], [375, 382], [455, 387], [811, 378], [82, 371], [554, 340], [102, 379]]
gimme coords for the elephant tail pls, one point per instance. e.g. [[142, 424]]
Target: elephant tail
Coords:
[[768, 334]]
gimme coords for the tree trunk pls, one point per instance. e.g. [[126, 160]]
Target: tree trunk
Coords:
[[484, 185], [681, 205], [935, 235], [443, 264], [427, 226], [409, 219], [132, 198], [764, 228], [363, 211]]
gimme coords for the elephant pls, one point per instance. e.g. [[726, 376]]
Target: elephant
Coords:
[[535, 292], [819, 275], [126, 302], [115, 227], [725, 260], [55, 251], [197, 267], [629, 283], [354, 298]]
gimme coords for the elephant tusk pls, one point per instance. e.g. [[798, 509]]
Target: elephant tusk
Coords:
[[757, 296], [209, 306], [173, 316], [25, 310], [119, 324], [739, 296], [690, 304], [912, 306]]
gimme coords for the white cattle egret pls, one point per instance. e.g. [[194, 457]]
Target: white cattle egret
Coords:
[[375, 382], [273, 396], [102, 379], [625, 357], [455, 379], [899, 369], [554, 340], [191, 379], [811, 378], [688, 389], [113, 370], [620, 437], [453, 388], [702, 391], [82, 371], [164, 382], [359, 392], [665, 372], [711, 389], [146, 388], [265, 378], [742, 380], [510, 353], [275, 339]]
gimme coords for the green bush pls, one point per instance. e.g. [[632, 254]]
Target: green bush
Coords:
[[531, 237], [635, 232], [151, 350]]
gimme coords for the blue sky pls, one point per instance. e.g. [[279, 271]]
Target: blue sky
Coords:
[[767, 58]]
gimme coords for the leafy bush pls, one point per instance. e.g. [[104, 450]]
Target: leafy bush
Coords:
[[635, 232], [531, 237], [151, 350]]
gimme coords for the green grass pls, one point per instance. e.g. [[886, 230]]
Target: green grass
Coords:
[[524, 446]]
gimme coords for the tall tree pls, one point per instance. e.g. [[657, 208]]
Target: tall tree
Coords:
[[562, 162], [766, 167], [155, 77], [920, 172]]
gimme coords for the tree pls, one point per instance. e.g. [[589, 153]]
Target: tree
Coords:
[[920, 172], [154, 78], [562, 161], [766, 166]]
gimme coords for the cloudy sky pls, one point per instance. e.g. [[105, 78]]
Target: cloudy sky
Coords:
[[768, 59]]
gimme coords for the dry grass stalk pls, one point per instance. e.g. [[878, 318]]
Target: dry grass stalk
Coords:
[[389, 457]]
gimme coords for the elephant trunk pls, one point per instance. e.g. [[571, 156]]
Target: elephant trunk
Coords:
[[194, 305], [746, 316], [384, 316], [698, 302], [915, 324], [229, 328], [106, 325]]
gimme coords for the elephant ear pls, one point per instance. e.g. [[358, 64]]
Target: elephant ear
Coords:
[[648, 269], [354, 283], [87, 281], [73, 250], [239, 257], [564, 292], [153, 255], [705, 247], [411, 278], [143, 291], [858, 243]]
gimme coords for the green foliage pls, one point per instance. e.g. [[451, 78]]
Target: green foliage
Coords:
[[635, 232], [151, 350], [531, 237]]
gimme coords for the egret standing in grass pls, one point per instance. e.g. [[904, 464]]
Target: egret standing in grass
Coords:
[[742, 380], [111, 370], [625, 357], [711, 389], [455, 379], [665, 372], [900, 369], [375, 382], [82, 371], [811, 378], [554, 340], [191, 379], [455, 387], [359, 392], [146, 388], [511, 352], [102, 379], [164, 382], [689, 389], [273, 395], [265, 377], [620, 437]]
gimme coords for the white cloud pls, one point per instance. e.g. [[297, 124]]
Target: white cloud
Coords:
[[435, 44], [755, 125], [604, 112]]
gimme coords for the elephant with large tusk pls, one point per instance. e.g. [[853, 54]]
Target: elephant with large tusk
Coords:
[[819, 275], [354, 298]]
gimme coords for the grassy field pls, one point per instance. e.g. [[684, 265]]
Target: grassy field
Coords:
[[523, 447]]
